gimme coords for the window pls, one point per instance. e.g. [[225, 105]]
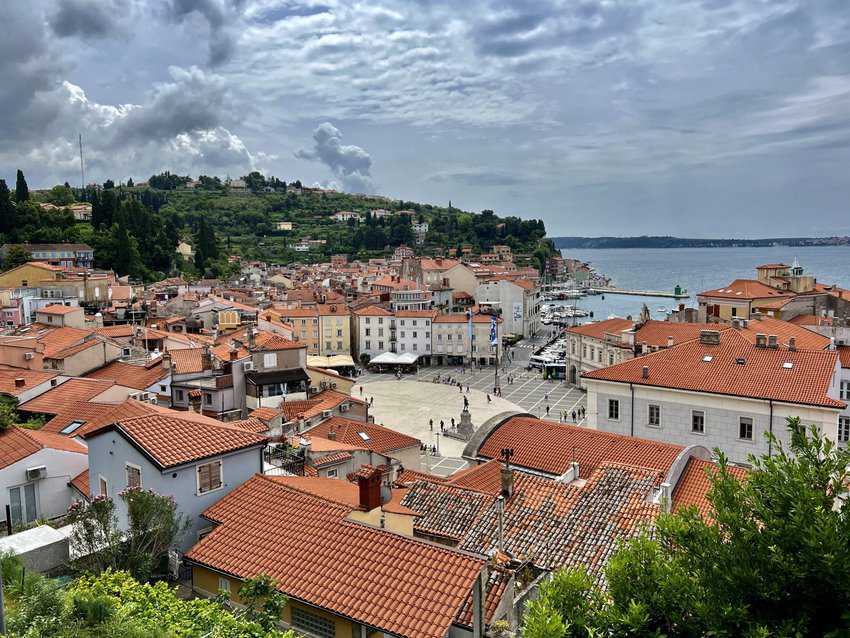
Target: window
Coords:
[[269, 360], [698, 422], [332, 473], [368, 332], [134, 475], [209, 477], [368, 345], [179, 395], [327, 345], [654, 415], [313, 623], [414, 334], [845, 390], [610, 358], [339, 333], [402, 334], [380, 345], [843, 429], [71, 427], [614, 409], [207, 398], [745, 428], [104, 487], [734, 312], [339, 345], [223, 584], [368, 320], [162, 388]]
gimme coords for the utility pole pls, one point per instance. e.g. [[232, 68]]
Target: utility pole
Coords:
[[82, 166]]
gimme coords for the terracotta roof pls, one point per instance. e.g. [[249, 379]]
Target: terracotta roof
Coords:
[[59, 339], [31, 379], [655, 333], [373, 311], [322, 444], [805, 339], [275, 342], [94, 415], [844, 356], [408, 477], [395, 584], [378, 438], [715, 369], [58, 309], [81, 482], [57, 399], [250, 424], [550, 447], [72, 350], [437, 264], [745, 289], [416, 314], [486, 477], [265, 414], [598, 329], [460, 317], [19, 443], [187, 360], [694, 485], [332, 459], [140, 377], [121, 330], [811, 320], [170, 439]]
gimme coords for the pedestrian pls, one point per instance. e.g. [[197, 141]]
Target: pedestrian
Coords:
[[488, 398], [546, 397], [431, 424], [361, 390], [371, 401], [467, 389], [547, 410], [442, 426], [453, 423], [460, 388], [574, 416]]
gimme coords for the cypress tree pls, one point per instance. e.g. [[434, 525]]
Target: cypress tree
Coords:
[[22, 191], [8, 212]]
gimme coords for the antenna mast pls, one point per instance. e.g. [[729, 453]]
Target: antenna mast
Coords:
[[82, 169]]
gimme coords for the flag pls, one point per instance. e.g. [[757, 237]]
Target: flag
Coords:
[[494, 332]]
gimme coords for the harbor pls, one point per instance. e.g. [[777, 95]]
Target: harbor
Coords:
[[677, 293]]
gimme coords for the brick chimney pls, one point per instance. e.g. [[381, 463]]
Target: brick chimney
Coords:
[[331, 435], [709, 337], [369, 487], [670, 341], [644, 373], [773, 342], [792, 344], [761, 340], [20, 382], [206, 358]]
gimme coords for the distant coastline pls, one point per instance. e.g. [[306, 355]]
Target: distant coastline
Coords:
[[647, 241]]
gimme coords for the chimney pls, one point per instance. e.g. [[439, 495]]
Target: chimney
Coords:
[[736, 323], [773, 342], [369, 487], [792, 344], [670, 341], [234, 353], [761, 340], [206, 358], [166, 362], [20, 382], [709, 337], [331, 435], [645, 372], [250, 335]]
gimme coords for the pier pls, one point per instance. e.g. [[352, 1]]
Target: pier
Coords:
[[609, 290]]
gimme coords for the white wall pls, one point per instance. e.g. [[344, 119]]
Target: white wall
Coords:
[[53, 494]]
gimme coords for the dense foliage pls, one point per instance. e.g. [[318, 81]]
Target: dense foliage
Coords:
[[113, 604], [153, 526], [135, 229], [772, 562]]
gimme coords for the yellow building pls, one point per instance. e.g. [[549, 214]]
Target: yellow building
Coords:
[[334, 329], [29, 275]]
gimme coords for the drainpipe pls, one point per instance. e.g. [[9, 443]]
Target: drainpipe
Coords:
[[632, 411], [770, 426]]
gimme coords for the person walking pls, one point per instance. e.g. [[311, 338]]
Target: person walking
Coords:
[[453, 423], [488, 399], [574, 416], [431, 424], [547, 410], [442, 426]]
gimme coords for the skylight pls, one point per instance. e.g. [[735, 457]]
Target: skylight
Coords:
[[364, 436], [788, 365], [707, 358], [71, 427]]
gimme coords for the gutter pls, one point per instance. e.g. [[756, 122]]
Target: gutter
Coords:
[[770, 426]]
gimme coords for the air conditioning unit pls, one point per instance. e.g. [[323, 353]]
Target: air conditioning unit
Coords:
[[326, 414], [343, 407], [29, 356], [135, 395], [144, 396], [36, 473], [153, 400], [323, 385], [248, 366]]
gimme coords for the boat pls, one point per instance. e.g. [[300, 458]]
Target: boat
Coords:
[[662, 309]]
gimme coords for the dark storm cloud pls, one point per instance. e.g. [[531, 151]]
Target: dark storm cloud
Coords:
[[351, 164], [217, 13], [477, 178], [193, 101], [86, 18]]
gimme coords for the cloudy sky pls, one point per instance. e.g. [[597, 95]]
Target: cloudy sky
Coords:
[[690, 117]]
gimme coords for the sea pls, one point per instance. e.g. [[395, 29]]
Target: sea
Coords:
[[696, 270]]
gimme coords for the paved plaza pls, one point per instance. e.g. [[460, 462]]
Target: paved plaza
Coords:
[[408, 404]]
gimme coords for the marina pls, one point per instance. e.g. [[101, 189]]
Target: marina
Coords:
[[677, 293]]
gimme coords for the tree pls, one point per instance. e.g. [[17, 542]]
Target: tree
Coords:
[[206, 246], [130, 182], [8, 211], [16, 256], [61, 195], [22, 191], [263, 602], [771, 561], [153, 526]]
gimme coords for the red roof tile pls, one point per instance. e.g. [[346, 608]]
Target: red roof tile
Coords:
[[140, 377], [805, 339], [378, 438], [598, 329], [31, 379], [57, 399], [19, 443], [171, 439], [81, 482], [694, 485], [187, 360], [396, 584], [550, 447], [763, 374], [844, 356], [745, 289]]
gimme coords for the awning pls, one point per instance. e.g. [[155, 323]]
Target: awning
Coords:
[[391, 358], [276, 376], [333, 361]]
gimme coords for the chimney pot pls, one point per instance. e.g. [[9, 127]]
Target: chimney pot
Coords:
[[645, 372], [773, 342], [792, 344], [369, 488], [20, 382], [670, 341], [507, 482]]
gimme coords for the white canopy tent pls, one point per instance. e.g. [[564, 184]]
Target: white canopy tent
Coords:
[[391, 358]]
